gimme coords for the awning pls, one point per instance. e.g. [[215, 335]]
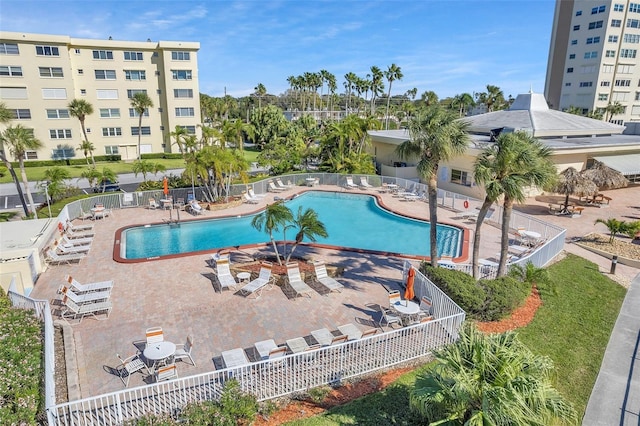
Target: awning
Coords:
[[628, 164]]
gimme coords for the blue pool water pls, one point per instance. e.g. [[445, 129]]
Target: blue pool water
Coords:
[[352, 220]]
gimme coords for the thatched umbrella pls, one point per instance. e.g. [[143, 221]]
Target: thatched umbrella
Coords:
[[605, 177], [571, 182]]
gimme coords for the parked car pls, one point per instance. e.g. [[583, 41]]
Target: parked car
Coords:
[[106, 186]]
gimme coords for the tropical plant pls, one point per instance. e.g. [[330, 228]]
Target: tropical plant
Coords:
[[20, 140], [260, 91], [179, 134], [274, 217], [80, 108], [532, 275], [308, 226], [489, 379], [612, 109], [435, 136], [87, 149], [55, 184], [493, 98], [140, 102], [392, 73], [144, 167], [616, 227], [5, 117]]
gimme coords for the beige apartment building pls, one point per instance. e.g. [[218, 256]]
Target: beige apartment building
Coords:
[[41, 74], [594, 57]]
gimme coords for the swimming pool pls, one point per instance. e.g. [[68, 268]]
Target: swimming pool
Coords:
[[354, 221]]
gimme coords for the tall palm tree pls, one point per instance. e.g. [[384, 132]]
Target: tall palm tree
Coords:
[[274, 217], [19, 140], [489, 379], [377, 86], [80, 108], [392, 73], [5, 117], [260, 91], [435, 135], [140, 102], [87, 149], [614, 109], [308, 226], [179, 134]]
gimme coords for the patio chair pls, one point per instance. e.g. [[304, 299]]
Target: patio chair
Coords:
[[183, 351], [74, 311], [79, 228], [264, 280], [75, 242], [255, 196], [394, 296], [154, 335], [474, 215], [388, 317], [299, 287], [274, 188], [77, 234], [179, 204], [370, 332], [323, 278], [281, 185], [66, 250], [54, 258], [425, 306], [85, 215], [195, 208], [130, 365], [223, 273], [153, 204], [84, 298], [249, 199], [98, 286], [166, 372], [349, 183], [351, 331], [364, 184]]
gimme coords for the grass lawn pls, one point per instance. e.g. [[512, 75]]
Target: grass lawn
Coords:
[[572, 327]]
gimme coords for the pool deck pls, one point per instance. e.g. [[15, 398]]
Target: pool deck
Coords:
[[178, 295]]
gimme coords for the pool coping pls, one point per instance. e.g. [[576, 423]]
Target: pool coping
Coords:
[[464, 252]]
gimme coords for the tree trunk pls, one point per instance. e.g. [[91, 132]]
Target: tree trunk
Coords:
[[139, 134], [275, 249], [433, 217], [388, 102], [504, 239], [476, 236], [23, 173], [7, 163]]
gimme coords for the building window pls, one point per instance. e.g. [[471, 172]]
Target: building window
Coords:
[[9, 49], [578, 13], [572, 56], [180, 56], [183, 93], [574, 42], [607, 69], [111, 131], [631, 38], [10, 71], [107, 93], [593, 40], [185, 112], [31, 155], [131, 92], [567, 84], [83, 92], [616, 23], [590, 55], [60, 133], [633, 23], [625, 69], [637, 98], [628, 53], [586, 83], [47, 51], [13, 92], [80, 71], [54, 93], [133, 56], [622, 83], [605, 83], [160, 110], [610, 54], [618, 7], [21, 114], [50, 72], [634, 7], [111, 149], [105, 74], [594, 25], [613, 39], [576, 28], [570, 70], [588, 69], [460, 177], [159, 91], [635, 110], [103, 54], [134, 114], [109, 112], [135, 75], [145, 131], [57, 113], [77, 51], [181, 74], [603, 96], [190, 129], [620, 96], [618, 122]]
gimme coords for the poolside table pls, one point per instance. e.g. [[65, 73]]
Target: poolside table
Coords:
[[407, 309], [159, 352]]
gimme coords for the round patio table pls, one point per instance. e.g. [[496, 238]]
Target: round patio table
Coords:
[[160, 351]]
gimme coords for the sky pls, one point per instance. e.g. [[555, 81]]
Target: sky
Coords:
[[446, 46]]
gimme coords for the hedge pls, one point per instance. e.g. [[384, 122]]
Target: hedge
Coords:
[[68, 162], [164, 155]]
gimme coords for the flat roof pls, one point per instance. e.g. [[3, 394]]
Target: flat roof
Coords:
[[22, 236]]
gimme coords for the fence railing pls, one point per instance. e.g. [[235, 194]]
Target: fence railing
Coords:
[[278, 377], [42, 311]]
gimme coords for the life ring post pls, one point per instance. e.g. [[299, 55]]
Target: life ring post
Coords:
[[466, 204]]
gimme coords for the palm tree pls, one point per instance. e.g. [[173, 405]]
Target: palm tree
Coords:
[[260, 91], [377, 86], [142, 166], [615, 227], [614, 109], [20, 140], [6, 116], [54, 183], [140, 102], [392, 73], [435, 135], [87, 149], [531, 275], [309, 226], [179, 134], [80, 108], [489, 379], [273, 217]]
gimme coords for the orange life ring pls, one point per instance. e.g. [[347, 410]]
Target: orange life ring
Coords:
[[466, 204], [60, 226]]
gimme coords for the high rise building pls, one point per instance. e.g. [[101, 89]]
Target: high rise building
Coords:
[[594, 58], [41, 74]]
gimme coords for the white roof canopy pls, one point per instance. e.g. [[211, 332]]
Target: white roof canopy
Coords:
[[628, 164]]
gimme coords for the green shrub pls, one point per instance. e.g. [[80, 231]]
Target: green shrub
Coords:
[[319, 393], [166, 155], [503, 295], [459, 286]]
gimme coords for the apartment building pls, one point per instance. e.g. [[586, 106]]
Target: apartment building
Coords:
[[41, 74], [594, 57]]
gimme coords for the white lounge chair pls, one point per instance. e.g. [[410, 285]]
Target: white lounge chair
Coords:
[[274, 188], [323, 278], [153, 204], [75, 242], [264, 280], [55, 258], [349, 183], [249, 199], [223, 273], [252, 194], [77, 234], [79, 288], [84, 298], [66, 250], [364, 184], [351, 331], [195, 208], [80, 227], [72, 310], [281, 185], [268, 349], [299, 287], [130, 365]]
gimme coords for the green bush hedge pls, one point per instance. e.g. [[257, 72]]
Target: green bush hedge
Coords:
[[484, 300], [165, 155], [70, 161]]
